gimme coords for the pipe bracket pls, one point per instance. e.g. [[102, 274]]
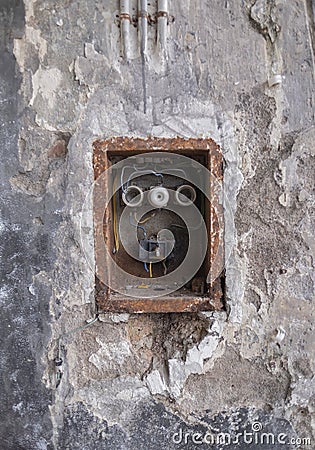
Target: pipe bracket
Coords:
[[125, 16]]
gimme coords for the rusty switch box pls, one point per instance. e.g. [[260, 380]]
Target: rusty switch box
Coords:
[[158, 225]]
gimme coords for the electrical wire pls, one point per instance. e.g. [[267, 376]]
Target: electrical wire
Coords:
[[177, 170], [76, 330], [58, 359], [164, 266], [138, 226], [139, 168], [188, 227], [122, 176], [142, 170], [145, 235], [116, 235], [136, 172], [145, 220]]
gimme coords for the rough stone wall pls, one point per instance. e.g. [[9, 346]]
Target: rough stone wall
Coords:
[[131, 382]]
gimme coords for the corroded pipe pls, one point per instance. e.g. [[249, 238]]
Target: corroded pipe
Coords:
[[143, 29], [162, 19], [125, 27]]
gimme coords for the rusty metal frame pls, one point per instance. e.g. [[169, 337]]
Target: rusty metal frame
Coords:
[[112, 302]]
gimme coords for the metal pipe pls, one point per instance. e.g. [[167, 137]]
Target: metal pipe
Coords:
[[125, 27], [143, 21], [143, 29], [162, 24]]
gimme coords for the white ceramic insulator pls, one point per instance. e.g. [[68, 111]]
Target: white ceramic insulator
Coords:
[[275, 80], [185, 200], [133, 196], [158, 197]]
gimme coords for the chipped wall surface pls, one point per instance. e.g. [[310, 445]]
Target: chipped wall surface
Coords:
[[239, 72]]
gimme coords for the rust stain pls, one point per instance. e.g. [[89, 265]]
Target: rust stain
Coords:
[[58, 150], [176, 145], [159, 305]]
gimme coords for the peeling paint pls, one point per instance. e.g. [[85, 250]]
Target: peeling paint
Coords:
[[46, 83]]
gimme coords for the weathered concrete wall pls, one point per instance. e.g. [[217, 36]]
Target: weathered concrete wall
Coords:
[[131, 382]]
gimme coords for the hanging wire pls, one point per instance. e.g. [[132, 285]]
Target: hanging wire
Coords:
[[139, 170], [145, 220], [138, 226], [122, 176], [138, 173], [58, 359], [142, 170]]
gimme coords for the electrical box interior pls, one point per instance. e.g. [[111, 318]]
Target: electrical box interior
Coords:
[[154, 196], [144, 174]]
